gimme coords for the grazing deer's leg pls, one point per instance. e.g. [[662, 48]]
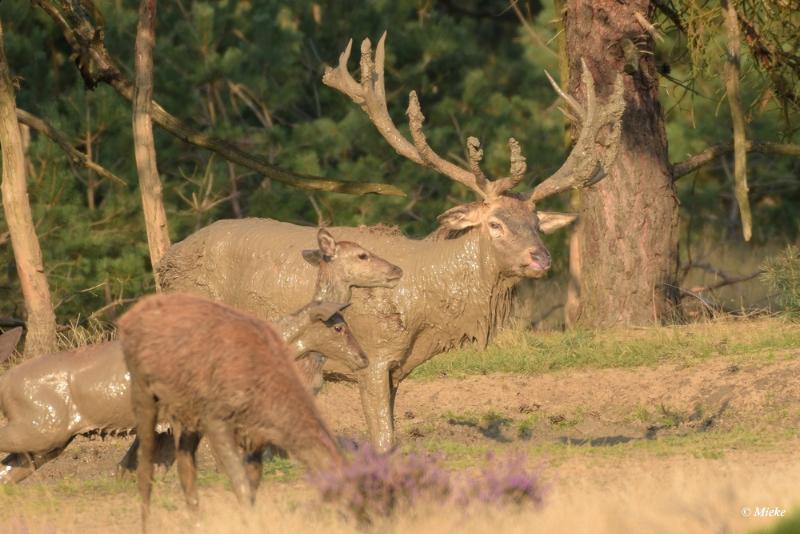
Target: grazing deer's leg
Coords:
[[229, 455], [163, 455], [254, 465], [375, 387], [146, 411], [185, 456]]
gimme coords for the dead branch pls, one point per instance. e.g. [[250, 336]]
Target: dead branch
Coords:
[[61, 139], [710, 154], [155, 216], [737, 118], [97, 66], [727, 279]]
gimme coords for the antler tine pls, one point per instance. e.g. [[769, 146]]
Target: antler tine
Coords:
[[573, 104], [431, 158], [518, 162], [475, 153], [370, 95], [584, 166]]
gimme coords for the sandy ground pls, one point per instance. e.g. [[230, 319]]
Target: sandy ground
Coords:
[[662, 449]]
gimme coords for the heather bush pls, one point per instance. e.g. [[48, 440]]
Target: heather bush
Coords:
[[374, 484]]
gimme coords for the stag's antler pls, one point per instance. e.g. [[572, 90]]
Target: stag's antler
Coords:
[[583, 166]]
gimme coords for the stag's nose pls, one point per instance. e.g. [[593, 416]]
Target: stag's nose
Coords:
[[540, 259]]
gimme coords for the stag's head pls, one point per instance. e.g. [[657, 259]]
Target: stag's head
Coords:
[[347, 264], [508, 221]]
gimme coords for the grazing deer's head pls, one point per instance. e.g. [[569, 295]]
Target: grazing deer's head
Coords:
[[327, 332], [509, 221], [347, 264]]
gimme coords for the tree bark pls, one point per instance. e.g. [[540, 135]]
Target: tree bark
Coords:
[[629, 221], [155, 217], [41, 321]]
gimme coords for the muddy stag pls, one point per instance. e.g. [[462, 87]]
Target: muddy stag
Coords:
[[217, 372], [458, 281]]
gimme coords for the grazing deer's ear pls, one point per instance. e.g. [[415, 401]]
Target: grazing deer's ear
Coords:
[[314, 257], [550, 221], [461, 217], [327, 244], [8, 342], [322, 311]]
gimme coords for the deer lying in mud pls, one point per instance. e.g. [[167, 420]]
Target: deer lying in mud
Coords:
[[53, 398], [216, 372], [458, 281]]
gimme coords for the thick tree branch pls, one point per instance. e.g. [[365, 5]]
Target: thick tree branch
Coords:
[[61, 139], [96, 65], [155, 216], [737, 118], [710, 154]]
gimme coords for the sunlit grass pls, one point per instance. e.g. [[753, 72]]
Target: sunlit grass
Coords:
[[539, 352]]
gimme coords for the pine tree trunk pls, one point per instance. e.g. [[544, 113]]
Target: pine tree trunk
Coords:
[[41, 321], [155, 216], [629, 221]]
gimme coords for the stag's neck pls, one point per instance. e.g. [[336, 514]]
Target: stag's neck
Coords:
[[477, 294], [329, 289]]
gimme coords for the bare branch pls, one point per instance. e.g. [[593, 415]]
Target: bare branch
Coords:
[[710, 154], [61, 139], [96, 65], [737, 118]]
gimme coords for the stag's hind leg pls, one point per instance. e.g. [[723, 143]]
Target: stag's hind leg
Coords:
[[254, 466], [230, 456]]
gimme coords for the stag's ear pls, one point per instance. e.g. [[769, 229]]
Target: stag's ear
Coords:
[[322, 311], [314, 257], [8, 342], [461, 217], [550, 221], [327, 244]]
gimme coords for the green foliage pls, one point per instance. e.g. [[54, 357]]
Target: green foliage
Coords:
[[250, 72], [782, 275]]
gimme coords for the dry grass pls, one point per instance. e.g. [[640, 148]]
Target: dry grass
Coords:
[[657, 495]]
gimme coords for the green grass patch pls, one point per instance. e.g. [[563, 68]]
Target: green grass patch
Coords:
[[539, 352]]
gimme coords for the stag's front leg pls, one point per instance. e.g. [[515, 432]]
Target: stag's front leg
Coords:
[[374, 384]]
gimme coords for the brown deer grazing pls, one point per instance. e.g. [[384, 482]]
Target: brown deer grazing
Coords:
[[53, 398], [216, 372], [458, 282]]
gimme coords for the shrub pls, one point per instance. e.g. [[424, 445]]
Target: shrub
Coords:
[[782, 276], [374, 485]]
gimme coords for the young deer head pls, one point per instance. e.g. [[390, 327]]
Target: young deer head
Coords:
[[328, 333], [344, 265], [507, 222]]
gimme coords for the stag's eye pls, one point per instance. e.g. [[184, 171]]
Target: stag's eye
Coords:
[[496, 226], [363, 256]]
